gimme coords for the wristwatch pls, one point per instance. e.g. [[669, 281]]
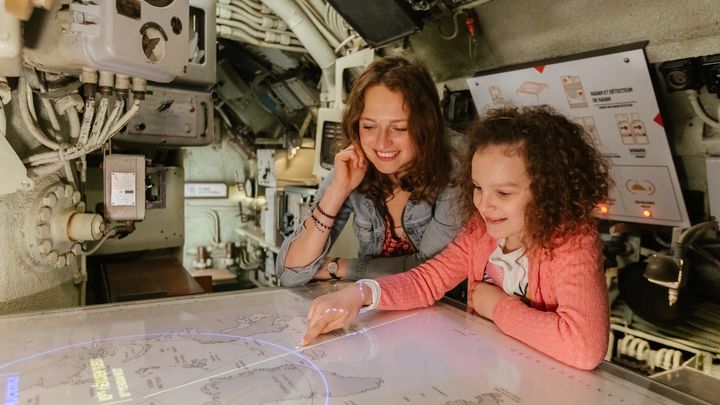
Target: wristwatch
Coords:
[[333, 268]]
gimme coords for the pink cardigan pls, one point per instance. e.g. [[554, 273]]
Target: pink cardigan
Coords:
[[568, 316]]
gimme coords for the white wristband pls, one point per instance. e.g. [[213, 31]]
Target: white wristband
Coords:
[[375, 288]]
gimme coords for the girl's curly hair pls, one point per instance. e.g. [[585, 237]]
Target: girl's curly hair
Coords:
[[568, 176]]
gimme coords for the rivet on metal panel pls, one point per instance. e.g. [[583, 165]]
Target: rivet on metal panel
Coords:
[[45, 246], [43, 231], [50, 200], [44, 214], [51, 258]]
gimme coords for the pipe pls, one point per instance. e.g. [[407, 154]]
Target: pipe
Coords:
[[83, 279], [270, 36], [309, 36], [5, 96], [329, 36], [242, 13], [45, 170], [238, 35], [84, 227], [72, 115], [27, 119], [3, 123], [689, 236], [250, 3]]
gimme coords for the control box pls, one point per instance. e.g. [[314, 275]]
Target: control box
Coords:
[[147, 39], [124, 184], [171, 117]]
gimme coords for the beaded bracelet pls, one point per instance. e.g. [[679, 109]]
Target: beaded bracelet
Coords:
[[319, 225], [325, 214]]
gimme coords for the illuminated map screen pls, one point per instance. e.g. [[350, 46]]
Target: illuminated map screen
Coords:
[[241, 348]]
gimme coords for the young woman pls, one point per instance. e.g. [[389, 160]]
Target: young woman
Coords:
[[531, 253], [395, 177]]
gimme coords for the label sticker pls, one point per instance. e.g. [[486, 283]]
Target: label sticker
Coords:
[[123, 189]]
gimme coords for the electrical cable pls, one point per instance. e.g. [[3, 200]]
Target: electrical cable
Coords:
[[99, 243], [455, 27], [693, 97]]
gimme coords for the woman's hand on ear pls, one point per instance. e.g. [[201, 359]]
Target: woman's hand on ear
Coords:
[[350, 168]]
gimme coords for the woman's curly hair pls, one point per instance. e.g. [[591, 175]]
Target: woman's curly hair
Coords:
[[568, 176], [430, 171]]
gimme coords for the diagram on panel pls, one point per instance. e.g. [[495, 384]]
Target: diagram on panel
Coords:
[[496, 95], [588, 124], [624, 128], [632, 129], [531, 88], [638, 129], [574, 91], [640, 187]]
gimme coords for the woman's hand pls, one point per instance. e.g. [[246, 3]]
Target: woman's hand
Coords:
[[334, 311], [484, 298], [350, 168]]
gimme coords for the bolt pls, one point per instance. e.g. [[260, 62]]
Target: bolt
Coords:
[[76, 248], [70, 257], [80, 207], [45, 246], [43, 231], [51, 258], [61, 262], [188, 129], [69, 190], [76, 197], [50, 200], [44, 214]]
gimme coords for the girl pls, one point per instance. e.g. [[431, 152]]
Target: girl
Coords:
[[394, 177], [531, 253]]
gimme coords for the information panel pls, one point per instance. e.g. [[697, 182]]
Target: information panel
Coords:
[[612, 97], [241, 348]]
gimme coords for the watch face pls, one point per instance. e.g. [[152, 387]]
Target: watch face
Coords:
[[332, 267]]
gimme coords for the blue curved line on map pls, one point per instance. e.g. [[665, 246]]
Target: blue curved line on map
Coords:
[[283, 348]]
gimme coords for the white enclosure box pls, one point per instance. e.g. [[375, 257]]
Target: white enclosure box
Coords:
[[712, 165], [124, 184], [10, 43], [135, 38]]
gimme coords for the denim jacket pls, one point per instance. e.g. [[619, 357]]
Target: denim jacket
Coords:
[[430, 228]]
